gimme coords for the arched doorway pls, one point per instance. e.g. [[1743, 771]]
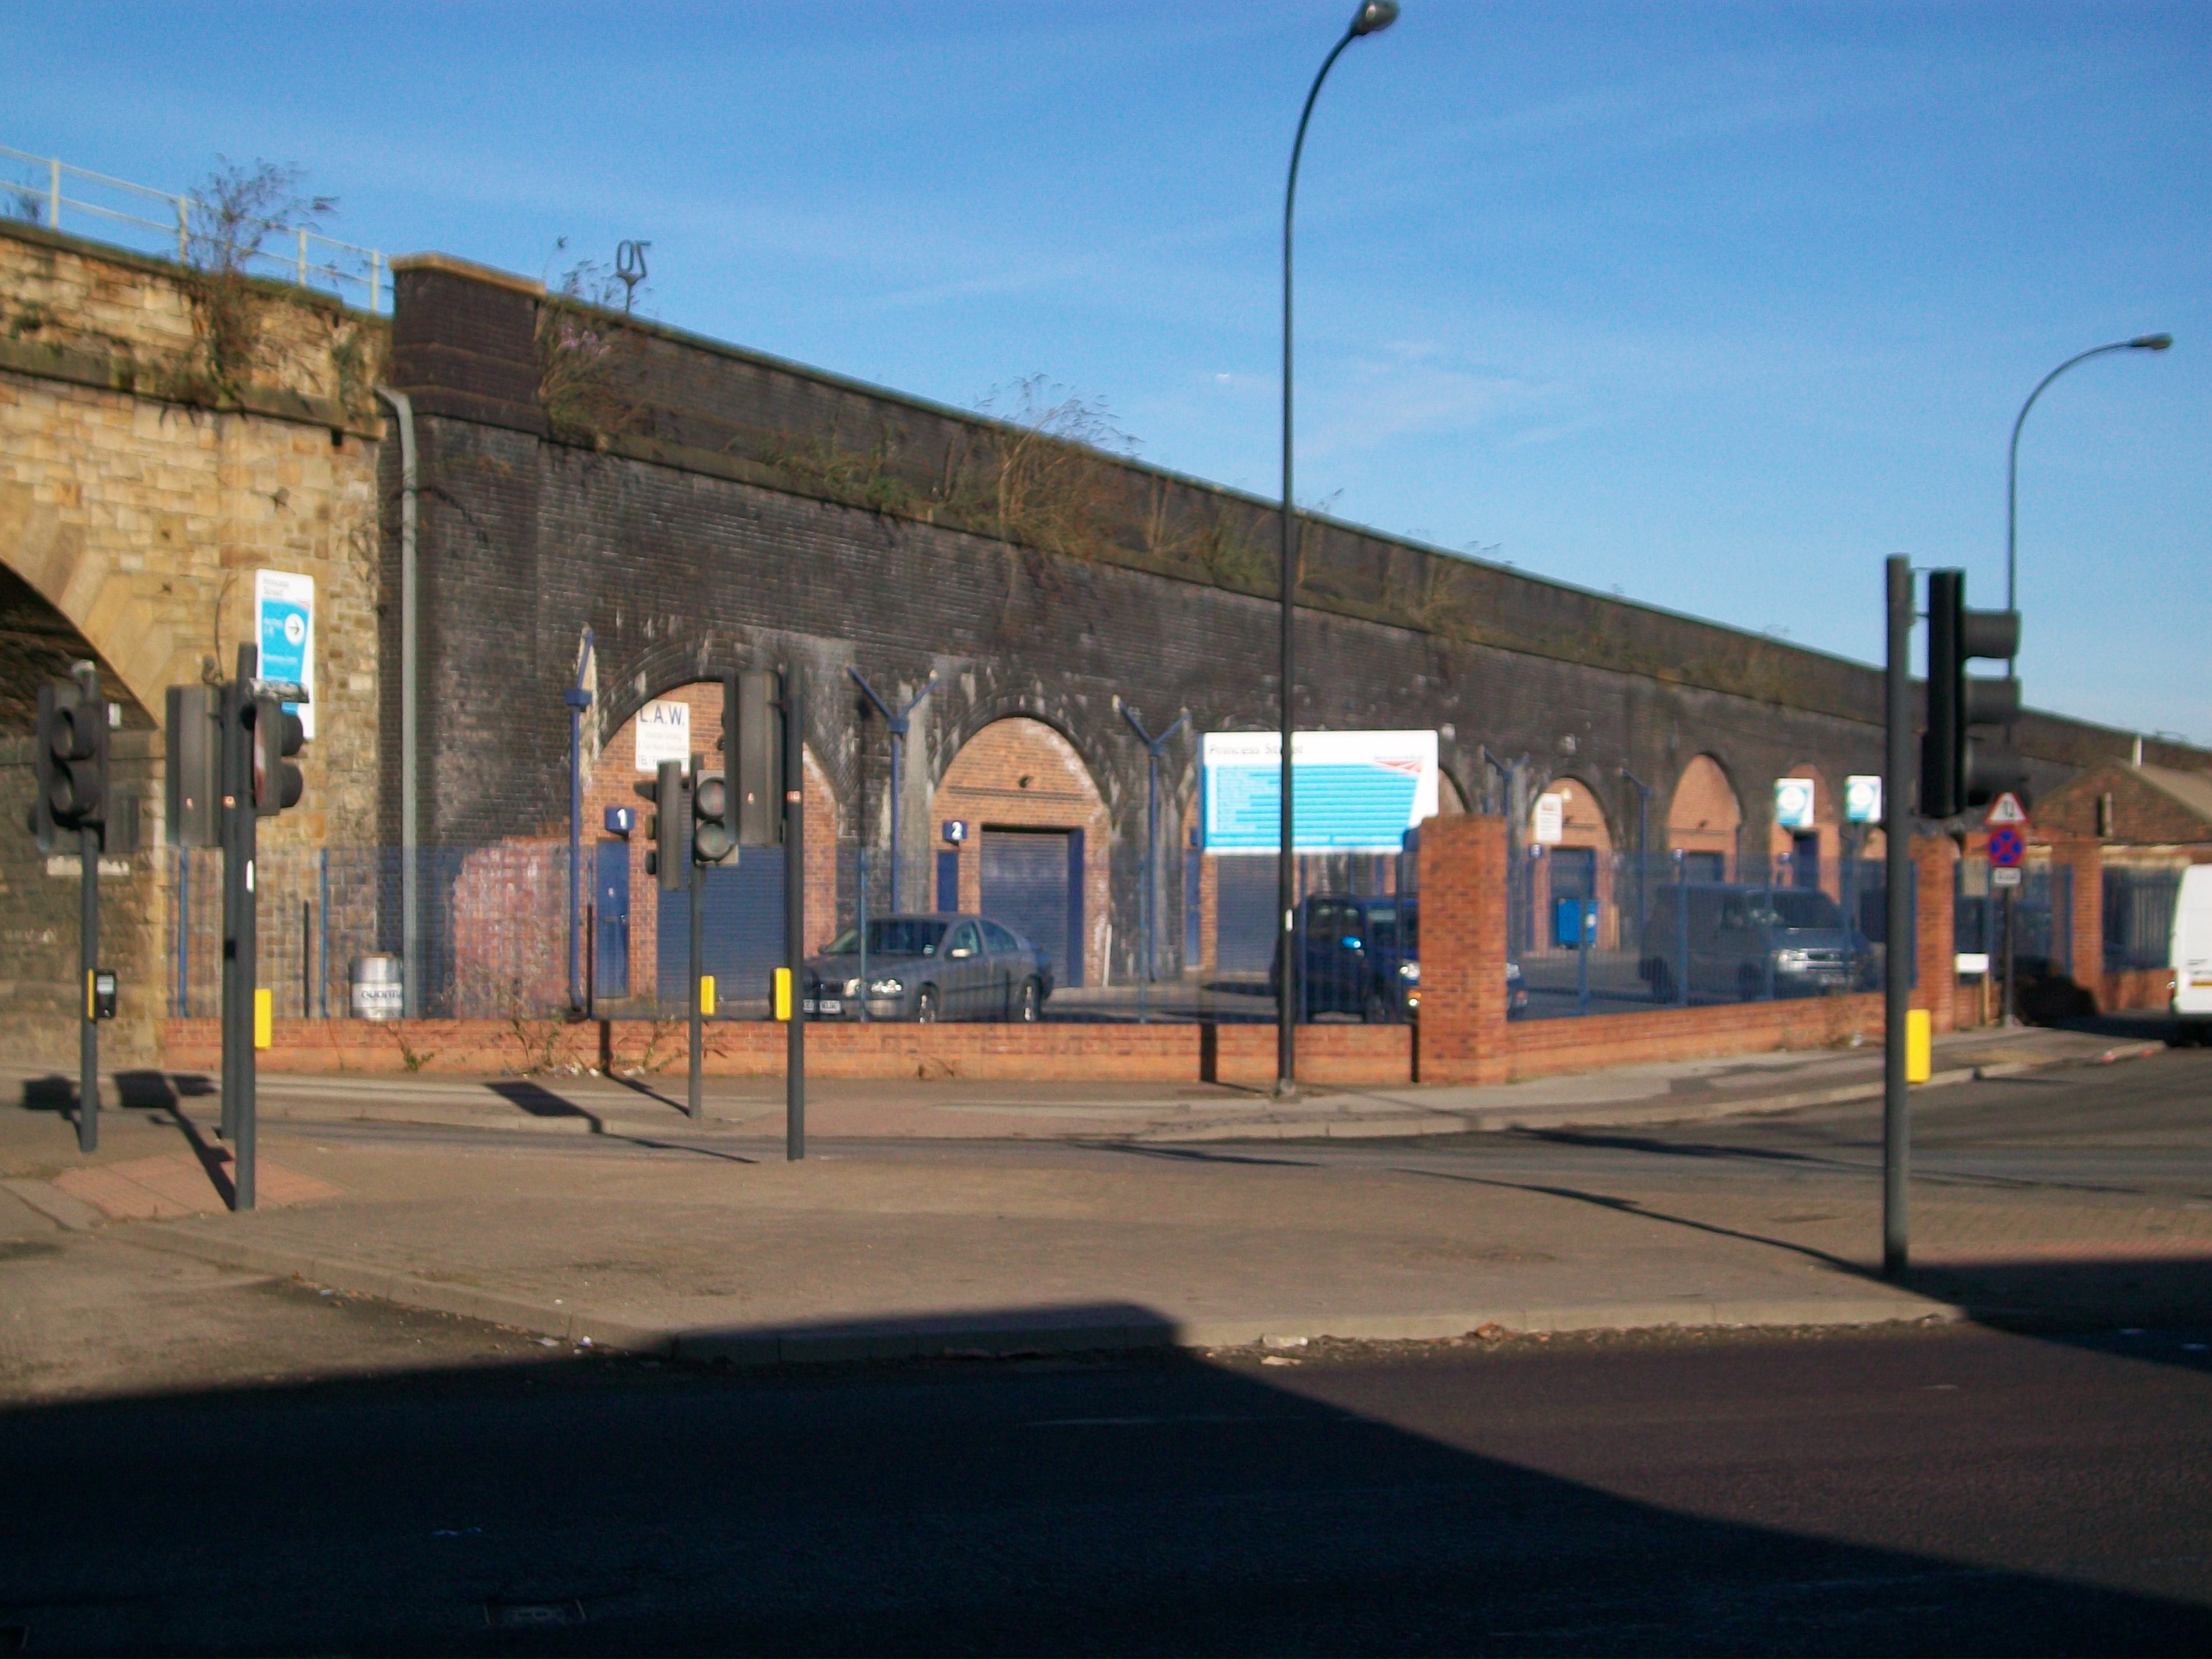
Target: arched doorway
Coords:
[[1578, 864], [635, 936], [1704, 821], [1032, 853], [1806, 854]]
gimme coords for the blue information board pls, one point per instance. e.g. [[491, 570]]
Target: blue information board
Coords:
[[1352, 792]]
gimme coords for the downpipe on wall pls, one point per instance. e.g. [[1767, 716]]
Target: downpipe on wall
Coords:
[[410, 877]]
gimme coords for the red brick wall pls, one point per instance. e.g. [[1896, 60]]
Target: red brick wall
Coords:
[[1462, 1030], [2087, 861], [1936, 986], [1547, 1048], [2131, 987], [1241, 1054]]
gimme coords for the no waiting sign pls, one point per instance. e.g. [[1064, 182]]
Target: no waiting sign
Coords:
[[2008, 847]]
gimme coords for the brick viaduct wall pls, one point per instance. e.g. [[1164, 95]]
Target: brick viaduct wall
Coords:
[[698, 507]]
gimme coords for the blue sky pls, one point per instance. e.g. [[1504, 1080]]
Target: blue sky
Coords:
[[1717, 305]]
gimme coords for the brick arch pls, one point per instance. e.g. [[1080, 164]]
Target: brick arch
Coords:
[[1704, 814], [1022, 772], [951, 738], [611, 781], [659, 671], [60, 607], [1588, 822]]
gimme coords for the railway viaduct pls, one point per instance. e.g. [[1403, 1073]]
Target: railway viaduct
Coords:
[[697, 506]]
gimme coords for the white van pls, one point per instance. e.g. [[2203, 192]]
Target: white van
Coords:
[[2190, 954]]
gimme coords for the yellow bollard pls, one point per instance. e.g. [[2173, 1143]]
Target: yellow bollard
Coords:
[[783, 994], [264, 1018], [1919, 1047], [706, 996]]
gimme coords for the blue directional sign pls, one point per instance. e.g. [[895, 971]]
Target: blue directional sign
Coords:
[[284, 628]]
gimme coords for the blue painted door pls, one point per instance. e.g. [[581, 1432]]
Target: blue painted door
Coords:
[[610, 911]]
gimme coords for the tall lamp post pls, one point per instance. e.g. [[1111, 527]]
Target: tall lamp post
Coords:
[[1372, 17], [2141, 342]]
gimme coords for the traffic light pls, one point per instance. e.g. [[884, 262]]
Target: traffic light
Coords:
[[69, 760], [712, 839], [665, 826], [752, 741], [194, 767], [278, 736], [1959, 770]]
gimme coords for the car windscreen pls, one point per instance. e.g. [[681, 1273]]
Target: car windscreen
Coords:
[[893, 936], [1798, 910]]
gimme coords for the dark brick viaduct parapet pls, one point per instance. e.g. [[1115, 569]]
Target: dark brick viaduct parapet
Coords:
[[703, 506]]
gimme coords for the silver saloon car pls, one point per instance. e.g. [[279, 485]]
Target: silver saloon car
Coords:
[[927, 968]]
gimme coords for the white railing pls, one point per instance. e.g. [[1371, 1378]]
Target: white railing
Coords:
[[35, 188]]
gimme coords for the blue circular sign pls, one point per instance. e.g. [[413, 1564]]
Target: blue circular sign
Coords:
[[2006, 848]]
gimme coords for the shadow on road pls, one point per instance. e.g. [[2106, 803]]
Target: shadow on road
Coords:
[[1166, 1504]]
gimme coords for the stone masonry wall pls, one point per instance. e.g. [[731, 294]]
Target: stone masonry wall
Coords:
[[137, 497]]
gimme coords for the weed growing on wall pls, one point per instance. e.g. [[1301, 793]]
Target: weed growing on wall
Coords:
[[233, 212], [584, 357]]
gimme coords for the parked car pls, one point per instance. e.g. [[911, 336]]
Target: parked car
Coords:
[[1735, 942], [1363, 955], [2189, 952], [927, 968]]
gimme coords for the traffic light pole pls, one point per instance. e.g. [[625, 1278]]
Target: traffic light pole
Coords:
[[794, 919], [240, 907], [87, 1059], [692, 1103], [1899, 952]]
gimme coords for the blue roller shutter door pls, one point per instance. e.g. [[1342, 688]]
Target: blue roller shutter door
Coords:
[[1244, 910], [741, 931], [1033, 884]]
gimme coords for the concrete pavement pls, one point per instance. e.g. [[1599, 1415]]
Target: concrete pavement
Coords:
[[701, 1241], [584, 1103]]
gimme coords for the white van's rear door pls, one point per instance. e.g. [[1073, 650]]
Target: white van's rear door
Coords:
[[2191, 954]]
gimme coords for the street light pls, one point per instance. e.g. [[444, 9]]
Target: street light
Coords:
[[2141, 342], [1372, 18]]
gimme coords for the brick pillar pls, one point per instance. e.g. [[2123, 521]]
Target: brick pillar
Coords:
[[1936, 989], [2086, 857], [1462, 1030]]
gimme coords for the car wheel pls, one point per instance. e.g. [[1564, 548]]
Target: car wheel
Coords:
[[1030, 1009], [1749, 987], [1374, 1011], [925, 1005]]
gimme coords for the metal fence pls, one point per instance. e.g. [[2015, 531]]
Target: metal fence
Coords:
[[2042, 912], [1590, 931], [42, 189], [2139, 915], [489, 940]]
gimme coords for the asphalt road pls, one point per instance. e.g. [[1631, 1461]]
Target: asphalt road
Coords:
[[316, 1473], [1937, 1491]]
